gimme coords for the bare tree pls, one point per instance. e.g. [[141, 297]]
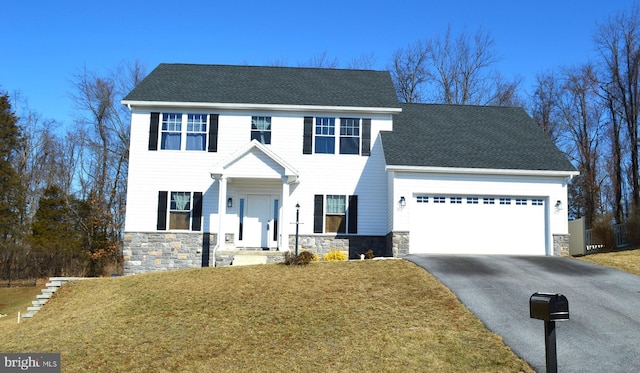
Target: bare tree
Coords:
[[409, 71], [618, 41], [582, 116], [363, 62], [452, 69], [321, 60], [545, 102]]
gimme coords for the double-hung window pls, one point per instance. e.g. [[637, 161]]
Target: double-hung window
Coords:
[[175, 135], [261, 129], [171, 137], [325, 135], [349, 136], [196, 131], [179, 210], [336, 213]]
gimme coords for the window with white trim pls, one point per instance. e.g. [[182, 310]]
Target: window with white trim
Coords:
[[171, 135], [422, 199], [472, 200], [196, 132], [349, 136], [439, 199], [488, 201], [455, 200], [176, 136], [180, 210], [521, 201], [261, 129], [537, 202], [335, 217], [325, 135]]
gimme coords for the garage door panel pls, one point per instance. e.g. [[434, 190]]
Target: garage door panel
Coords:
[[483, 227]]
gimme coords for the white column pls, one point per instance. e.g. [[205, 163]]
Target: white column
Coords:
[[283, 237], [222, 209]]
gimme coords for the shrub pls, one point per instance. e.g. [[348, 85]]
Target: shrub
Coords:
[[603, 233], [303, 258], [369, 254], [334, 254]]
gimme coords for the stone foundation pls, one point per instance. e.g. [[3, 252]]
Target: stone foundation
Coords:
[[354, 245], [561, 245], [398, 242], [150, 252]]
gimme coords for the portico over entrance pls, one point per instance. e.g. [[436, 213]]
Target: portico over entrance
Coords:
[[254, 188]]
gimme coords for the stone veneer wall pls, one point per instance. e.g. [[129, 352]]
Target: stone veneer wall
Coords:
[[561, 244], [161, 251], [355, 245], [398, 242]]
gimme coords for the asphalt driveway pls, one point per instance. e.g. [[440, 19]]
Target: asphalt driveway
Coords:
[[603, 333]]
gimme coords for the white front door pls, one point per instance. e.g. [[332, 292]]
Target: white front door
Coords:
[[256, 221]]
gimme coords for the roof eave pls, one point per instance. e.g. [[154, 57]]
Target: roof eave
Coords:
[[483, 171], [261, 107]]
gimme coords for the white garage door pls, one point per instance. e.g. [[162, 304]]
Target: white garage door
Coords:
[[477, 225]]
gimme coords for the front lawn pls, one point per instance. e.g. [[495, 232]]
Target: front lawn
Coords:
[[356, 316], [627, 260]]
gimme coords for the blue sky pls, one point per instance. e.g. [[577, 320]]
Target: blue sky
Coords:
[[45, 42]]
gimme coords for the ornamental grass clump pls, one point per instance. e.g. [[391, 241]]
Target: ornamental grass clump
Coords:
[[334, 255]]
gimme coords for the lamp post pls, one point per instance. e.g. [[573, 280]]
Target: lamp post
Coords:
[[297, 225]]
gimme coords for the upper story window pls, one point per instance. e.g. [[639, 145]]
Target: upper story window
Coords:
[[261, 129], [196, 131], [349, 136], [322, 136], [325, 135], [173, 131], [171, 137]]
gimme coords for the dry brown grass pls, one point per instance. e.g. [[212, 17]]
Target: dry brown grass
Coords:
[[628, 260], [356, 316]]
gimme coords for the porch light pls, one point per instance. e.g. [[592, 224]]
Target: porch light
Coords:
[[402, 202], [558, 204], [229, 202]]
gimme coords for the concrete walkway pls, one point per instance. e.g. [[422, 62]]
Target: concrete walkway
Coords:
[[603, 333]]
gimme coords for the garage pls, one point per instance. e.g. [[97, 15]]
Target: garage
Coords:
[[469, 224]]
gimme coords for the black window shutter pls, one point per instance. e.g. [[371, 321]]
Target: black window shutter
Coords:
[[196, 214], [213, 133], [153, 131], [366, 137], [162, 210], [353, 214], [307, 142], [318, 213]]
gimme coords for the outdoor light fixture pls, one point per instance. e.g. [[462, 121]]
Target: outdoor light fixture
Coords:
[[558, 204], [229, 202], [402, 202]]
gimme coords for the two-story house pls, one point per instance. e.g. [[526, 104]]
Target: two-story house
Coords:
[[224, 159]]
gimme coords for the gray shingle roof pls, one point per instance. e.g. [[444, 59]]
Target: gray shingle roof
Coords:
[[266, 85], [470, 137]]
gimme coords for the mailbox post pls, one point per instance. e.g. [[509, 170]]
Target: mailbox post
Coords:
[[550, 308]]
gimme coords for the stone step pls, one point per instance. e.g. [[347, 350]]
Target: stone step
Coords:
[[245, 259], [49, 290], [32, 309], [56, 284], [39, 302], [27, 315], [44, 296]]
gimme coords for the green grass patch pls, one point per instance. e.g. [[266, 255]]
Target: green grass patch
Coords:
[[627, 260], [355, 316], [14, 300]]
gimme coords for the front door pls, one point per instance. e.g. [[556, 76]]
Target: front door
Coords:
[[256, 221]]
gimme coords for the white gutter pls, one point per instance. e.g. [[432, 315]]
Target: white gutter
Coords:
[[262, 107], [484, 171]]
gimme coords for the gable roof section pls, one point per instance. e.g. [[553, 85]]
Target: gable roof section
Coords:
[[470, 137], [226, 84], [270, 159]]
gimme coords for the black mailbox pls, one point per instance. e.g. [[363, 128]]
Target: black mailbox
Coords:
[[549, 307]]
